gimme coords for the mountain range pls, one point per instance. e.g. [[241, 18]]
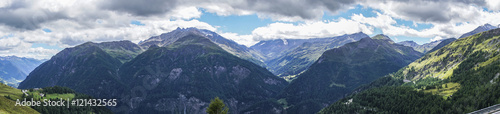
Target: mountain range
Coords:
[[424, 48], [226, 44], [479, 29], [15, 69], [197, 70], [89, 68], [340, 70], [181, 76], [180, 71], [460, 77], [290, 57]]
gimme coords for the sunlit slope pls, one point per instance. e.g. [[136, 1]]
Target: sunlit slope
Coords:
[[441, 63], [7, 106], [461, 77]]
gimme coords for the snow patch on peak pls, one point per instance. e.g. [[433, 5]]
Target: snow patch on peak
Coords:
[[206, 33], [488, 26]]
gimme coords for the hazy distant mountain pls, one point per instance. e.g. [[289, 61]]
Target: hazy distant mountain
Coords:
[[15, 69], [226, 44], [443, 43], [409, 44], [461, 77], [340, 70], [272, 49], [424, 48], [479, 29], [287, 57]]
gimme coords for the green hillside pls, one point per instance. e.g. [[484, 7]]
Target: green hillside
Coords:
[[463, 75], [9, 95], [86, 68], [7, 104], [441, 63]]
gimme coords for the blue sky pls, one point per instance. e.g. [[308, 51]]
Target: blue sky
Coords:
[[244, 24], [59, 24]]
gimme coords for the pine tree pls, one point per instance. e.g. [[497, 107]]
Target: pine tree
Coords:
[[217, 106]]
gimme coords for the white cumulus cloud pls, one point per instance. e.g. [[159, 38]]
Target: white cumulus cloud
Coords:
[[316, 29]]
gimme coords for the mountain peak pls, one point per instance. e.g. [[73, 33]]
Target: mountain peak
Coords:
[[184, 31], [382, 37], [228, 45], [409, 41], [479, 29], [196, 38], [487, 26], [170, 37], [86, 44], [337, 72], [196, 63], [194, 41], [360, 32], [189, 29], [10, 57]]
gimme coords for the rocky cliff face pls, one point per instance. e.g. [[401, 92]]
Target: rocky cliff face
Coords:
[[185, 75]]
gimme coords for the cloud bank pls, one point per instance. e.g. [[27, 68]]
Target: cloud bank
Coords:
[[72, 22]]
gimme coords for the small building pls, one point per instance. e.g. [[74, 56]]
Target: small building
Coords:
[[25, 92]]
